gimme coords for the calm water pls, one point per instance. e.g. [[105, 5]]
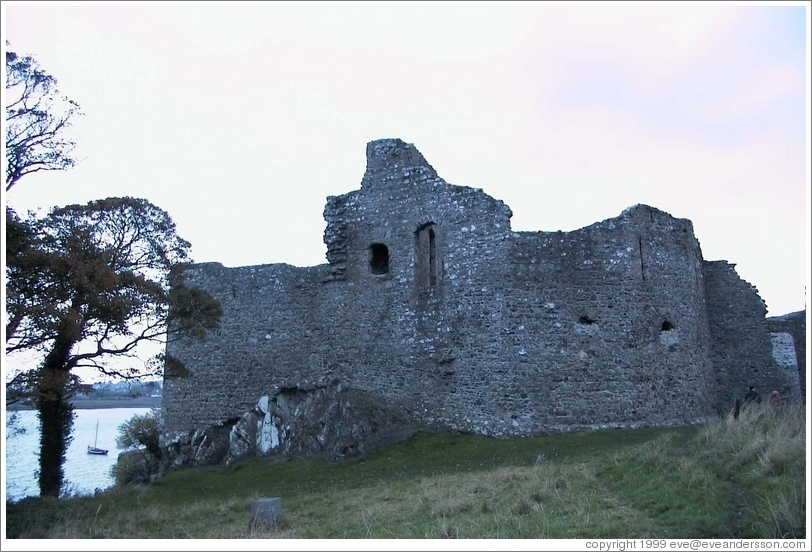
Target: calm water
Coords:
[[85, 472]]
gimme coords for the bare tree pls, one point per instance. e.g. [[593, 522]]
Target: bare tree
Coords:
[[36, 119]]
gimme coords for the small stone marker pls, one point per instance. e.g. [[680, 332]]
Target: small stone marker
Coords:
[[266, 511]]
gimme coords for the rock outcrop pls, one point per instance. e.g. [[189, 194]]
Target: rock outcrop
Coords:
[[322, 420]]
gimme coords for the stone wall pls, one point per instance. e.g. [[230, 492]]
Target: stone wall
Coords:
[[741, 339], [432, 304], [789, 332], [617, 324]]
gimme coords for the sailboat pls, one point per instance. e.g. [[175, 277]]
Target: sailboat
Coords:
[[94, 449]]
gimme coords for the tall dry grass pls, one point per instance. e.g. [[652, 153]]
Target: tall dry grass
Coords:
[[763, 451]]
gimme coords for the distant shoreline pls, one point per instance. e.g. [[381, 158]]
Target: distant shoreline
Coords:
[[129, 402]]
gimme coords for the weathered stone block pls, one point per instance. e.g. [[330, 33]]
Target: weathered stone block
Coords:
[[267, 511]]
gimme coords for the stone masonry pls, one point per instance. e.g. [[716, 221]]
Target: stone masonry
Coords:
[[788, 334], [431, 313]]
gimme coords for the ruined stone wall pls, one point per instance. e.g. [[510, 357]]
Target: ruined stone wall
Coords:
[[740, 338], [419, 344], [612, 318], [793, 326], [432, 304], [271, 334]]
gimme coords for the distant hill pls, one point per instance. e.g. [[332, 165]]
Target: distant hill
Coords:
[[123, 389], [119, 394]]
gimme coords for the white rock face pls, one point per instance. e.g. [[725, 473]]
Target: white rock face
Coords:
[[263, 403], [267, 433]]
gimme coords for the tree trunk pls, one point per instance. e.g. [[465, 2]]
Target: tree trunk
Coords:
[[56, 422], [55, 416]]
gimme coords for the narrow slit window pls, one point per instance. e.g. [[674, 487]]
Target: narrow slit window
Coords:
[[429, 263], [379, 258], [432, 257]]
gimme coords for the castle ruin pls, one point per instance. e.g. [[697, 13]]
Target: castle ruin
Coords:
[[431, 313]]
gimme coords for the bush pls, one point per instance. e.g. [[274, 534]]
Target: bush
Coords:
[[139, 437], [141, 432], [134, 466]]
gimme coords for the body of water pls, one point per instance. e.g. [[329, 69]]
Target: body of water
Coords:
[[84, 472]]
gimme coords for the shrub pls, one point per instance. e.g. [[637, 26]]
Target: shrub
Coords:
[[139, 437], [134, 466]]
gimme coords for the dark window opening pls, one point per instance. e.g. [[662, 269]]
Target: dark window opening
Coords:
[[666, 326], [429, 263], [379, 258], [586, 320], [432, 258]]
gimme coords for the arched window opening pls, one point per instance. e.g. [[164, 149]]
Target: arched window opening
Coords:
[[379, 258], [429, 262]]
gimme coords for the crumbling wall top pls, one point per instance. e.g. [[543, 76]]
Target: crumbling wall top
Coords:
[[392, 158]]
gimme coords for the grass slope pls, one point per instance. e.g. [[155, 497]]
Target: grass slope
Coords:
[[742, 478]]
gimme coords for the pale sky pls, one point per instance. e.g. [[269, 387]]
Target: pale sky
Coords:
[[239, 119]]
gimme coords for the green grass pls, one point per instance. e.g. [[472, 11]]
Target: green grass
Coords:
[[741, 478]]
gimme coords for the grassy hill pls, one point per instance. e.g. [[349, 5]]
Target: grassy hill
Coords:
[[742, 478]]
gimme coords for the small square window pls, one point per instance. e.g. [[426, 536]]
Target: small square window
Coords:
[[379, 258]]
